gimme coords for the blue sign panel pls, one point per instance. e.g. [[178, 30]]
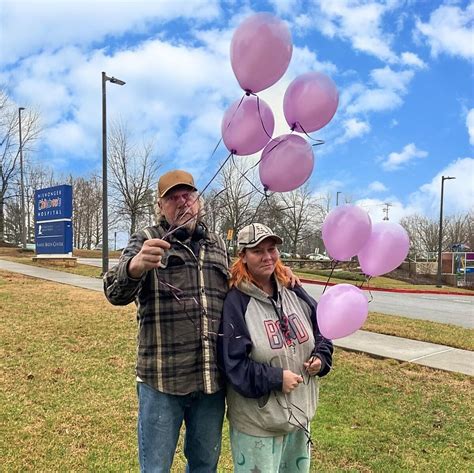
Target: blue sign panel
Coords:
[[53, 203], [53, 237]]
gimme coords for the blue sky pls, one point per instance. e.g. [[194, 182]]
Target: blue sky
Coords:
[[404, 71]]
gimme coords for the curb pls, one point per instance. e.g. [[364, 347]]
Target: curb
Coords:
[[406, 291]]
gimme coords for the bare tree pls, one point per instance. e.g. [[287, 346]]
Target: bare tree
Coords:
[[423, 233], [134, 172], [457, 230], [301, 213], [10, 149], [237, 201], [87, 221]]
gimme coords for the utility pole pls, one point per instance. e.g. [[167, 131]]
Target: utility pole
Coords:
[[385, 210]]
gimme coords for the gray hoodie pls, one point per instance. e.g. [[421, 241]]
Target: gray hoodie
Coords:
[[254, 352]]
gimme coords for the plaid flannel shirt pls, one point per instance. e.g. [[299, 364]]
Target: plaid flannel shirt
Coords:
[[177, 336]]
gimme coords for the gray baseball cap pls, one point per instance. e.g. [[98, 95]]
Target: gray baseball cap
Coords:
[[253, 234]]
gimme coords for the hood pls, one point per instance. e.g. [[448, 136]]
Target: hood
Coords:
[[253, 291]]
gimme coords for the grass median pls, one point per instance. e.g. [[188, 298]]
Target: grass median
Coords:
[[68, 398]]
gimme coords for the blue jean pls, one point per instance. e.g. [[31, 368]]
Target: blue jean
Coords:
[[160, 417]]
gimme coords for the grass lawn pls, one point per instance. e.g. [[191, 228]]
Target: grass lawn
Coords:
[[68, 400]]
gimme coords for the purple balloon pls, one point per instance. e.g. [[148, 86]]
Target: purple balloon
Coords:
[[247, 128], [341, 310], [287, 163], [345, 231], [260, 51], [310, 102], [385, 250]]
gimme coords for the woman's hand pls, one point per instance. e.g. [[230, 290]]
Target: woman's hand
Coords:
[[313, 365], [290, 381]]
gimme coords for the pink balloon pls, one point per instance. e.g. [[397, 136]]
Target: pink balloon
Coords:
[[287, 163], [310, 102], [247, 128], [260, 51], [345, 231], [341, 310], [386, 248]]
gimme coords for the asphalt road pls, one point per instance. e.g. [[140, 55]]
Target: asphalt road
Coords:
[[446, 309]]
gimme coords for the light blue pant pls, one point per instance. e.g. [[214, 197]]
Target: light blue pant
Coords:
[[288, 453], [160, 417]]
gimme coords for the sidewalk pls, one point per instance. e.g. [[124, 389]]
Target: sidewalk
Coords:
[[384, 346]]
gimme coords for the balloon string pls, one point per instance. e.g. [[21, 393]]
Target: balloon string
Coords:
[[231, 154], [317, 142], [333, 267], [367, 280], [246, 178], [230, 121], [260, 116]]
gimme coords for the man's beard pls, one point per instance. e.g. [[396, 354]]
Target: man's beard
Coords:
[[185, 219]]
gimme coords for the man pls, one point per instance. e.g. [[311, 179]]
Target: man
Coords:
[[177, 273]]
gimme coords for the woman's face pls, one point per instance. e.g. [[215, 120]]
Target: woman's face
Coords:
[[261, 260]]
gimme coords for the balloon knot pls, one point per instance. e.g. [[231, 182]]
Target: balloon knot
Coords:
[[247, 92]]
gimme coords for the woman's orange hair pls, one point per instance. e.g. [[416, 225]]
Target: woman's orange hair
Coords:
[[239, 273]]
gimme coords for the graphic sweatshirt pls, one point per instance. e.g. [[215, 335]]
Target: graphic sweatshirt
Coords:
[[258, 343]]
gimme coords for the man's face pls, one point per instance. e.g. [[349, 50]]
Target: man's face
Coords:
[[180, 207]]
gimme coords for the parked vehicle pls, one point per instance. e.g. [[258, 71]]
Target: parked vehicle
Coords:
[[284, 254], [318, 257]]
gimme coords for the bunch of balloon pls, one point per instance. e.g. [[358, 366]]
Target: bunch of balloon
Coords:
[[310, 103], [343, 308], [260, 52]]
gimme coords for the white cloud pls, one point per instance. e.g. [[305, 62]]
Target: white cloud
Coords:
[[388, 79], [458, 194], [377, 209], [285, 7], [173, 84], [30, 27], [411, 59], [397, 160], [449, 31], [377, 186], [391, 86], [470, 125], [354, 128], [359, 22]]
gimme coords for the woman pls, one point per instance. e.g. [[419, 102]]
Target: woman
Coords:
[[271, 352]]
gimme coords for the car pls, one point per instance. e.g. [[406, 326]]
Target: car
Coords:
[[318, 257], [283, 254]]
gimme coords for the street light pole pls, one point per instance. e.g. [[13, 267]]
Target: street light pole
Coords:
[[22, 184], [337, 197], [440, 239], [105, 214]]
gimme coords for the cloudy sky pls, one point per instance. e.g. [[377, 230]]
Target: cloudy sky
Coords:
[[404, 71]]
